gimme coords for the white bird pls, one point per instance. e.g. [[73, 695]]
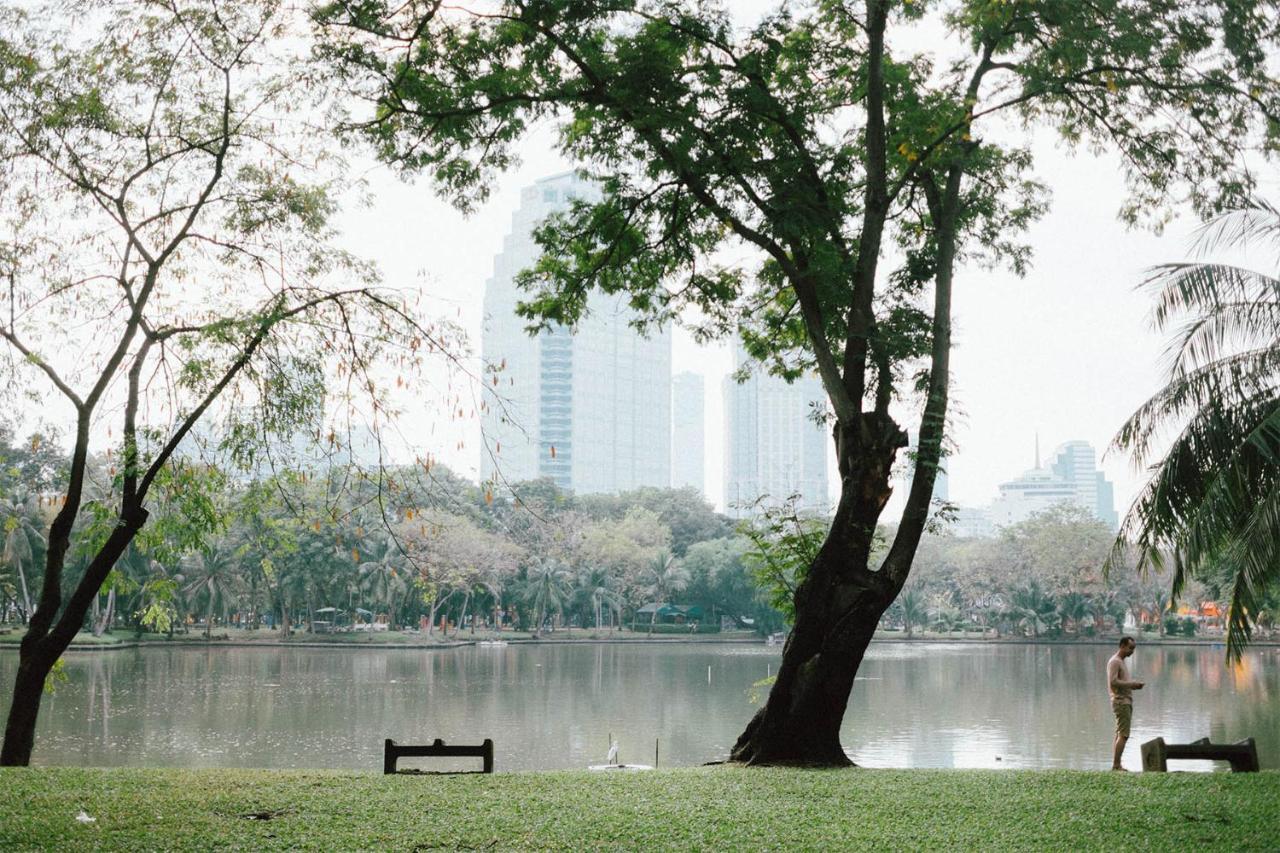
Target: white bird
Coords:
[[613, 753], [83, 817]]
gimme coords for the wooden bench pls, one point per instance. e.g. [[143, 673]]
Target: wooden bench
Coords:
[[1243, 755], [393, 752]]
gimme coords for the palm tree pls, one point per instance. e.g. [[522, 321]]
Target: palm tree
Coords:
[[597, 588], [21, 528], [665, 576], [1213, 501], [912, 607], [382, 578], [1104, 605], [1033, 608], [944, 614], [1073, 606], [214, 574], [545, 590]]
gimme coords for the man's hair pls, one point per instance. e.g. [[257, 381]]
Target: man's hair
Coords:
[[1126, 639]]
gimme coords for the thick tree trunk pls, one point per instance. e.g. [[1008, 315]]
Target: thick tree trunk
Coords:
[[28, 691], [838, 607], [46, 640]]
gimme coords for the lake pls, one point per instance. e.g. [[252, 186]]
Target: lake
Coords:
[[555, 706]]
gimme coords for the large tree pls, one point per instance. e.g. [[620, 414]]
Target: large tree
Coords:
[[810, 143], [164, 243]]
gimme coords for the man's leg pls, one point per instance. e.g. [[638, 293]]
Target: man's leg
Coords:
[[1117, 749], [1124, 714]]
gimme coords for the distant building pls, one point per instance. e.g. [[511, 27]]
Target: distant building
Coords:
[[589, 407], [773, 448], [1070, 476], [972, 523], [302, 450], [688, 431]]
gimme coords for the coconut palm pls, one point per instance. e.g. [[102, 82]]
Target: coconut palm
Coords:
[[596, 588], [382, 577], [214, 575], [21, 523], [1213, 501], [911, 607], [1032, 608], [1073, 607], [1106, 605], [665, 575], [546, 590], [943, 613]]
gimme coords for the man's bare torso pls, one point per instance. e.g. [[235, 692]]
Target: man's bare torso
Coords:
[[1117, 671]]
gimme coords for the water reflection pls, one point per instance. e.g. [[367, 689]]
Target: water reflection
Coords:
[[914, 705]]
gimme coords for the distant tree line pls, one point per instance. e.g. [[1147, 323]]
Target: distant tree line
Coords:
[[420, 546]]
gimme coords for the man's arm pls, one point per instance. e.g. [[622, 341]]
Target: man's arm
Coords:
[[1113, 677]]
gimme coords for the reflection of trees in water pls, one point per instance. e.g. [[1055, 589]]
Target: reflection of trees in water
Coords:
[[555, 706]]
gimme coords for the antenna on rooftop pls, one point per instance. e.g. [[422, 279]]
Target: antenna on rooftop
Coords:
[[1037, 448]]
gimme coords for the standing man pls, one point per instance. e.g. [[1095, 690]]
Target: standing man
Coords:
[[1121, 690]]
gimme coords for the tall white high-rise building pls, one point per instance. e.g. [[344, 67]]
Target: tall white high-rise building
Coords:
[[688, 431], [773, 448], [589, 407], [1071, 475]]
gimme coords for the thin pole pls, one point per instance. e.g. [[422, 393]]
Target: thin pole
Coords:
[[655, 753]]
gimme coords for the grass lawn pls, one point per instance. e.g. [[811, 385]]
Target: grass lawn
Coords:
[[705, 808]]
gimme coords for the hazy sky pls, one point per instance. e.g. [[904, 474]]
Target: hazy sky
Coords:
[[1066, 352]]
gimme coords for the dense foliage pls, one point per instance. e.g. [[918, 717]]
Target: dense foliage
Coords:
[[409, 546], [1212, 505]]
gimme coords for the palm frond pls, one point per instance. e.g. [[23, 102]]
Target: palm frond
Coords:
[[1255, 219]]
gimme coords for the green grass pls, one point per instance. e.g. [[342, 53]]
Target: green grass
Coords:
[[714, 808]]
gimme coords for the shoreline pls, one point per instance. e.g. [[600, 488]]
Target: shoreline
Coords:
[[444, 645]]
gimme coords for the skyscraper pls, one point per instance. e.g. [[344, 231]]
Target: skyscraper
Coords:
[[1071, 475], [589, 407], [688, 428], [773, 448]]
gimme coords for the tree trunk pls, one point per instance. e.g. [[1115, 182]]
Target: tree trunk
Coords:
[[28, 691], [26, 596], [102, 624], [838, 606], [46, 639]]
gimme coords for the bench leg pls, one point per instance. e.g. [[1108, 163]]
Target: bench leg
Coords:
[[1154, 759], [389, 756]]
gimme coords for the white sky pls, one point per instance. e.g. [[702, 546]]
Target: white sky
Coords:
[[1066, 352]]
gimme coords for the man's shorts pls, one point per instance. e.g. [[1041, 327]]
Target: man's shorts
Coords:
[[1124, 716]]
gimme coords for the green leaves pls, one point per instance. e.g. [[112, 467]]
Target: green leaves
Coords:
[[1212, 505]]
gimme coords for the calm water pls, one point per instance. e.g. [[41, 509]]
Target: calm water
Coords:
[[914, 705]]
